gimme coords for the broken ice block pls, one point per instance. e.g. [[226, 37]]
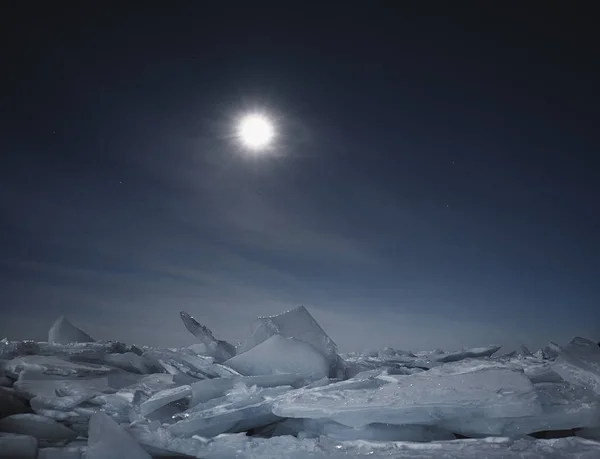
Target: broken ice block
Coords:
[[525, 352], [156, 382], [131, 362], [107, 440], [552, 350], [281, 355], [187, 362], [164, 397], [18, 446], [219, 349], [53, 366], [476, 352], [295, 323], [65, 403], [564, 407], [241, 409], [11, 404], [240, 446], [64, 332], [86, 352], [591, 433], [31, 384], [497, 448], [40, 427], [579, 363], [208, 389], [418, 399], [71, 451], [375, 432]]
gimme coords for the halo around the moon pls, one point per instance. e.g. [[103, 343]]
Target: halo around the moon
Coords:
[[255, 131]]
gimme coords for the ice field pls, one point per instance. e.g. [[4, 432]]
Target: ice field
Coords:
[[286, 392]]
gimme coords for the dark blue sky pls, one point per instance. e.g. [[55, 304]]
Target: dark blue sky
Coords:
[[435, 182]]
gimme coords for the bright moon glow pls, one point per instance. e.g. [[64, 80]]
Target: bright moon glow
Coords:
[[256, 131]]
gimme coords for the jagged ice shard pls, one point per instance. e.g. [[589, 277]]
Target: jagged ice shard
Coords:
[[219, 349]]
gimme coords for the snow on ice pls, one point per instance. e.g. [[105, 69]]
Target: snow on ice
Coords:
[[286, 392]]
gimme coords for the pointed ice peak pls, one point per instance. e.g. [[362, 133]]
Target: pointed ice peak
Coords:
[[218, 349], [525, 351], [64, 332], [196, 328]]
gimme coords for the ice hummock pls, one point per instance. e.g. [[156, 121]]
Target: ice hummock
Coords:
[[289, 394], [64, 332]]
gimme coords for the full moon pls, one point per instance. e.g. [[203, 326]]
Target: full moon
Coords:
[[255, 131]]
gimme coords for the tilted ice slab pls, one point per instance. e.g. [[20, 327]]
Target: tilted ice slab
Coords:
[[398, 364], [59, 403], [417, 399], [163, 398], [281, 355], [184, 361], [32, 384], [579, 363], [208, 389], [241, 409], [536, 370], [107, 440], [40, 427], [10, 403], [240, 446], [51, 365], [217, 348], [488, 448], [74, 450], [313, 428], [299, 324], [476, 352], [64, 332], [14, 446], [564, 407], [131, 362], [591, 433], [85, 351], [552, 350]]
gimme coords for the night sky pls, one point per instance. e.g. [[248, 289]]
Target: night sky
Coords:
[[434, 181]]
